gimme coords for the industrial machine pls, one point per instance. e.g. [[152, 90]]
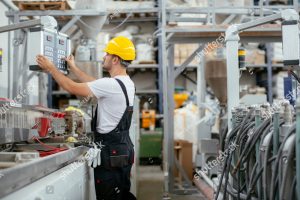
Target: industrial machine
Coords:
[[37, 153], [41, 149], [48, 42], [263, 160], [259, 147]]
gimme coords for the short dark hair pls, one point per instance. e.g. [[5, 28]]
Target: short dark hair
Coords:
[[125, 63]]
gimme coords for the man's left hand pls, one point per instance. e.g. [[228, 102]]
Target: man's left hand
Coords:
[[45, 63]]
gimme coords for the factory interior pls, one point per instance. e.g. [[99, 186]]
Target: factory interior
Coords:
[[215, 113]]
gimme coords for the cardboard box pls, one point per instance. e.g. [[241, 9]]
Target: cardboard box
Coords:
[[183, 151], [255, 57]]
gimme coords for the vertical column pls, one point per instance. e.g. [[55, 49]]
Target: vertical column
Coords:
[[232, 64], [201, 83], [160, 66], [15, 68], [170, 89], [167, 145], [269, 49]]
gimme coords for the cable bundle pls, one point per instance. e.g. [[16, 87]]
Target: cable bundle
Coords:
[[257, 170]]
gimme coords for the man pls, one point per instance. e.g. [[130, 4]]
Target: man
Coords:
[[112, 118]]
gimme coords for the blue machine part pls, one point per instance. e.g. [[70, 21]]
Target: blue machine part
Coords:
[[288, 90]]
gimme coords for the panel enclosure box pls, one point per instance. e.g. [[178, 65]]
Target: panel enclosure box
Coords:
[[290, 43], [50, 43]]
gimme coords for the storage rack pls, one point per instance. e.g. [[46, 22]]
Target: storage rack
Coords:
[[168, 36], [208, 32]]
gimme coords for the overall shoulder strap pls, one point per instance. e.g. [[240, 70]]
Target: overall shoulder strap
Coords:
[[124, 90]]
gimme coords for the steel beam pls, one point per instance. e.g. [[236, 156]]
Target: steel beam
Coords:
[[86, 12], [20, 25], [258, 22], [229, 19], [289, 14], [203, 40], [180, 69], [70, 24], [9, 5], [201, 84], [168, 140]]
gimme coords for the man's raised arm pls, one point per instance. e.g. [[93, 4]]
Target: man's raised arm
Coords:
[[82, 76]]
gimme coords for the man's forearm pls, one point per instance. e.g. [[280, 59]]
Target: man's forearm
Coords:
[[70, 86], [62, 80], [83, 77]]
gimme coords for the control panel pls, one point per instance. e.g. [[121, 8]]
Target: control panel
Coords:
[[50, 43]]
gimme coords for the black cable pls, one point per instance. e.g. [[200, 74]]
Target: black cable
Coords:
[[292, 190], [289, 161], [251, 142], [226, 168], [295, 76], [265, 172], [275, 174], [246, 120], [257, 177], [242, 142]]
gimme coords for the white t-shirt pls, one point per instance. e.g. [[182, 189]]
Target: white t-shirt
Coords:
[[111, 101]]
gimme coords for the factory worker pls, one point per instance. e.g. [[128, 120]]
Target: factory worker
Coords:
[[112, 155]]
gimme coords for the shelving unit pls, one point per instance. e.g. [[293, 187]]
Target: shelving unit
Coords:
[[207, 32], [169, 35], [68, 18]]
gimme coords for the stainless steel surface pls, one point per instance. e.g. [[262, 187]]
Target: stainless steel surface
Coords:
[[21, 175], [70, 182]]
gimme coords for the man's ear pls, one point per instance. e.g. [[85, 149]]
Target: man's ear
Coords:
[[118, 60], [115, 60]]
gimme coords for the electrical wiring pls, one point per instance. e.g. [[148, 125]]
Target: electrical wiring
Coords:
[[252, 170], [256, 178], [48, 152], [274, 173], [287, 171], [239, 132], [292, 190], [295, 76]]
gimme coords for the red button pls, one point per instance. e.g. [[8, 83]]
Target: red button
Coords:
[[114, 151]]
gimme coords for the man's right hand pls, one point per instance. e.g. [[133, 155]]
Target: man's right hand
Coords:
[[71, 61]]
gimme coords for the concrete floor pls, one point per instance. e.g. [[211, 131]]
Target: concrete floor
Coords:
[[150, 185]]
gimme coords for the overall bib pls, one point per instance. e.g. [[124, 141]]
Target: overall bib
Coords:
[[112, 177]]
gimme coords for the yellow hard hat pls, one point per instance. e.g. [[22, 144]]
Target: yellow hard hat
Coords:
[[122, 47]]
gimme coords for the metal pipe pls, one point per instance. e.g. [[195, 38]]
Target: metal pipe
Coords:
[[257, 150], [9, 5], [201, 84], [258, 22], [269, 52], [276, 132], [20, 25]]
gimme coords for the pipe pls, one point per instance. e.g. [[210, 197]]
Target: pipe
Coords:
[[9, 5], [276, 133]]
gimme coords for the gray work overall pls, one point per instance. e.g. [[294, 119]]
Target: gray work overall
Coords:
[[112, 177]]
